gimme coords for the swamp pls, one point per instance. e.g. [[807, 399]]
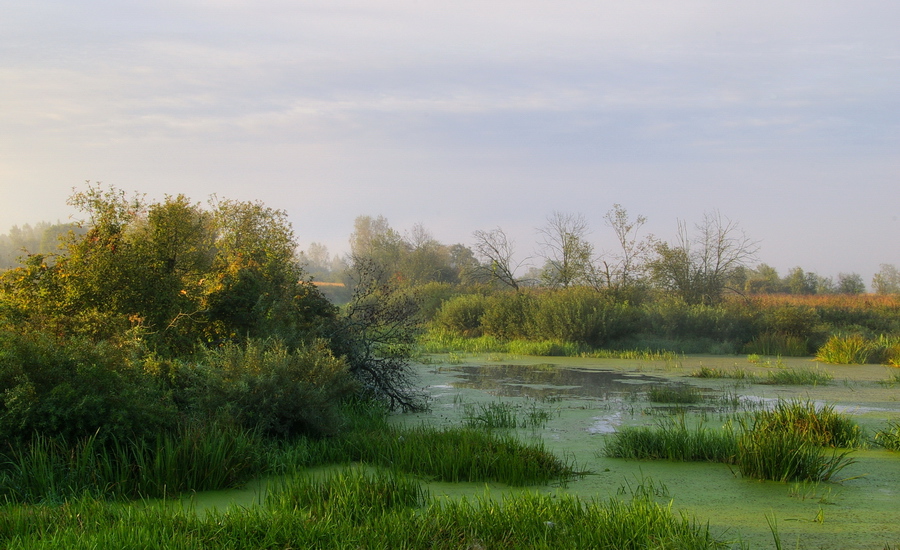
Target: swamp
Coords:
[[576, 406]]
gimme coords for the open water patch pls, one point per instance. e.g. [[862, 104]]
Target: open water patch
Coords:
[[546, 380]]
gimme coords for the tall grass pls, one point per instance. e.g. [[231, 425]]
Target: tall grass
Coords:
[[784, 455], [797, 377], [196, 457], [774, 343], [782, 444], [889, 437], [680, 395], [355, 512], [673, 439], [715, 372]]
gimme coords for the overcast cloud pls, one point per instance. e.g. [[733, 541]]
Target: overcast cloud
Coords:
[[470, 115]]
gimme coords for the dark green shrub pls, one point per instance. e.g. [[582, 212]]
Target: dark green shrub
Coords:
[[75, 388], [266, 386], [580, 315], [508, 315], [462, 314]]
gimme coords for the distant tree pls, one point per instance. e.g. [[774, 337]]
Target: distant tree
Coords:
[[566, 251], [623, 271], [375, 239], [801, 282], [496, 251], [698, 266], [764, 279], [887, 280], [850, 283], [825, 285]]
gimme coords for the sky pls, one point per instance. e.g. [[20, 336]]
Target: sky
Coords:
[[465, 115]]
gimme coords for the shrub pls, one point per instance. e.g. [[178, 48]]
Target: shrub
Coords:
[[268, 387], [508, 316], [845, 350], [75, 388], [580, 315], [462, 314]]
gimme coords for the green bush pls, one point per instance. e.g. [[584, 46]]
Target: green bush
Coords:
[[462, 314], [581, 315], [75, 388], [268, 387], [508, 315]]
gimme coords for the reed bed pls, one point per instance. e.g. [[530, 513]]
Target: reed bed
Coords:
[[797, 377], [330, 513], [715, 372], [679, 395], [783, 444], [505, 415], [673, 439], [196, 457]]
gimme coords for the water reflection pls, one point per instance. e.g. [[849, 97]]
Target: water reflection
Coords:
[[547, 380]]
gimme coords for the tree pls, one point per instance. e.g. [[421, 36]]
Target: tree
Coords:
[[376, 332], [495, 252], [623, 271], [567, 253], [800, 282], [697, 267], [850, 283], [887, 280], [764, 279]]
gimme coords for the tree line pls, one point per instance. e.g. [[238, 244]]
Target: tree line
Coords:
[[703, 263]]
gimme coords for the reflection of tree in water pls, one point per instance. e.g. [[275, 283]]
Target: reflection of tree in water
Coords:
[[544, 380]]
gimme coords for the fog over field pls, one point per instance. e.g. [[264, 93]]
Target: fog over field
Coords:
[[470, 115]]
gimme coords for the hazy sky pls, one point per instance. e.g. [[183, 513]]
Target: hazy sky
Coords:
[[464, 115]]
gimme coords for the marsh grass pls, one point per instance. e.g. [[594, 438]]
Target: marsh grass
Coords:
[[680, 395], [774, 343], [783, 455], [845, 350], [797, 377], [353, 511], [821, 425], [783, 444], [893, 378], [737, 373], [889, 437], [503, 414], [673, 439], [352, 493], [459, 454], [196, 457]]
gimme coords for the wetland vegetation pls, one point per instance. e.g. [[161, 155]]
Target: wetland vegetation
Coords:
[[168, 351]]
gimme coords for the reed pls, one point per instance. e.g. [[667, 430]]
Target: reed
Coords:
[[331, 514], [784, 455], [797, 377], [680, 395], [821, 425], [889, 437], [673, 439], [196, 457]]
